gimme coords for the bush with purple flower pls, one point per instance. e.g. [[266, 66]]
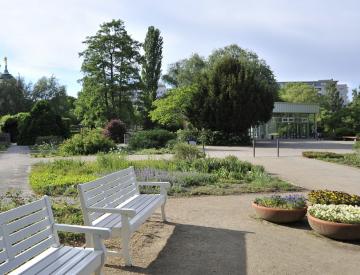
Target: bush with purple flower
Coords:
[[293, 201]]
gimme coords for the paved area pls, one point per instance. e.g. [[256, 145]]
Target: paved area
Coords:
[[14, 169], [219, 235], [291, 166]]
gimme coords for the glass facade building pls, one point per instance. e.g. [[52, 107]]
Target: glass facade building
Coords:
[[289, 120]]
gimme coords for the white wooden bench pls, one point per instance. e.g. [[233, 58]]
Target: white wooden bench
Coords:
[[29, 243], [115, 202]]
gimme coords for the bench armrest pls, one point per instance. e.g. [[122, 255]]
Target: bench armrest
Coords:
[[155, 183], [122, 211], [102, 233]]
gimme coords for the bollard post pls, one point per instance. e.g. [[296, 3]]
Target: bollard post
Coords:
[[278, 147], [253, 146]]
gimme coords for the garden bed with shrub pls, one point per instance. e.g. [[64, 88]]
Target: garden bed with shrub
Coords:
[[203, 176], [351, 159]]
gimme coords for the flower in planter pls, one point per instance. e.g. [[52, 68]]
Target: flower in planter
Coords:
[[333, 197], [336, 213], [285, 202]]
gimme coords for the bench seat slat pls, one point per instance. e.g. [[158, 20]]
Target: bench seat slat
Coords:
[[3, 256]]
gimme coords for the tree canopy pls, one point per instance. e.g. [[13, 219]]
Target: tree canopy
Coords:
[[150, 74], [299, 93], [110, 65]]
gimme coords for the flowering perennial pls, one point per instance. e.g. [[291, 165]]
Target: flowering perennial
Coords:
[[336, 213]]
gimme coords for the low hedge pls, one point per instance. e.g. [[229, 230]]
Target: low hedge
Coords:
[[155, 138], [315, 155]]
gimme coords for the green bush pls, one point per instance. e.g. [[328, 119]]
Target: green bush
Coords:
[[315, 155], [185, 135], [332, 197], [14, 124], [43, 121], [184, 151], [55, 140], [156, 138], [357, 145], [343, 131], [87, 142]]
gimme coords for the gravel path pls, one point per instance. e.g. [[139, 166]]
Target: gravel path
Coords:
[[14, 168], [219, 235]]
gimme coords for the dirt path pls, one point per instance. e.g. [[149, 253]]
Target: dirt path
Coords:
[[14, 168], [219, 235]]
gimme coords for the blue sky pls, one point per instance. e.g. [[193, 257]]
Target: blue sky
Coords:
[[300, 40]]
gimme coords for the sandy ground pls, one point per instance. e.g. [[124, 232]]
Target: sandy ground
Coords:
[[220, 235]]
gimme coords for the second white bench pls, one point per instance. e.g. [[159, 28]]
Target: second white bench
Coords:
[[114, 202]]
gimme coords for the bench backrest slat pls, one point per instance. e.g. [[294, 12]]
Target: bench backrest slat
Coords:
[[25, 232], [109, 191]]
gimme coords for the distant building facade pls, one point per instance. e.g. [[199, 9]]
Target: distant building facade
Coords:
[[290, 120], [320, 86]]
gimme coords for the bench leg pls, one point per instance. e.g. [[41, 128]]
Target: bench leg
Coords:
[[99, 271], [125, 241], [163, 215]]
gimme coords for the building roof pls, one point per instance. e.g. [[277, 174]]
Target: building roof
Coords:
[[303, 108]]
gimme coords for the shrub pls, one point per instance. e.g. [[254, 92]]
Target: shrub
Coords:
[[43, 121], [155, 138], [343, 131], [184, 151], [357, 145], [87, 142], [115, 129], [315, 155], [185, 135], [55, 140], [332, 197], [13, 124], [285, 202], [336, 213]]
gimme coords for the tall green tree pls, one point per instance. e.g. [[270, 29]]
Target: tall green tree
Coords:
[[236, 91], [150, 74], [299, 93], [110, 65], [332, 100], [14, 96], [185, 72], [171, 109]]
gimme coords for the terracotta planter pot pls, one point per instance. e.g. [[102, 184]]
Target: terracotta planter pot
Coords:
[[279, 215], [335, 230]]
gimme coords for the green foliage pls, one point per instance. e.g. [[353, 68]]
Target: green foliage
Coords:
[[171, 109], [236, 90], [87, 142], [111, 72], [357, 145], [187, 152], [14, 124], [115, 130], [226, 176], [56, 140], [283, 202], [336, 213], [150, 74], [315, 155], [332, 197], [299, 93], [185, 72], [352, 159], [41, 122], [14, 96], [155, 138]]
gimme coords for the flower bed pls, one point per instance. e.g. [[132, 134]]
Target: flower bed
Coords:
[[333, 197], [340, 222], [280, 209], [336, 213]]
